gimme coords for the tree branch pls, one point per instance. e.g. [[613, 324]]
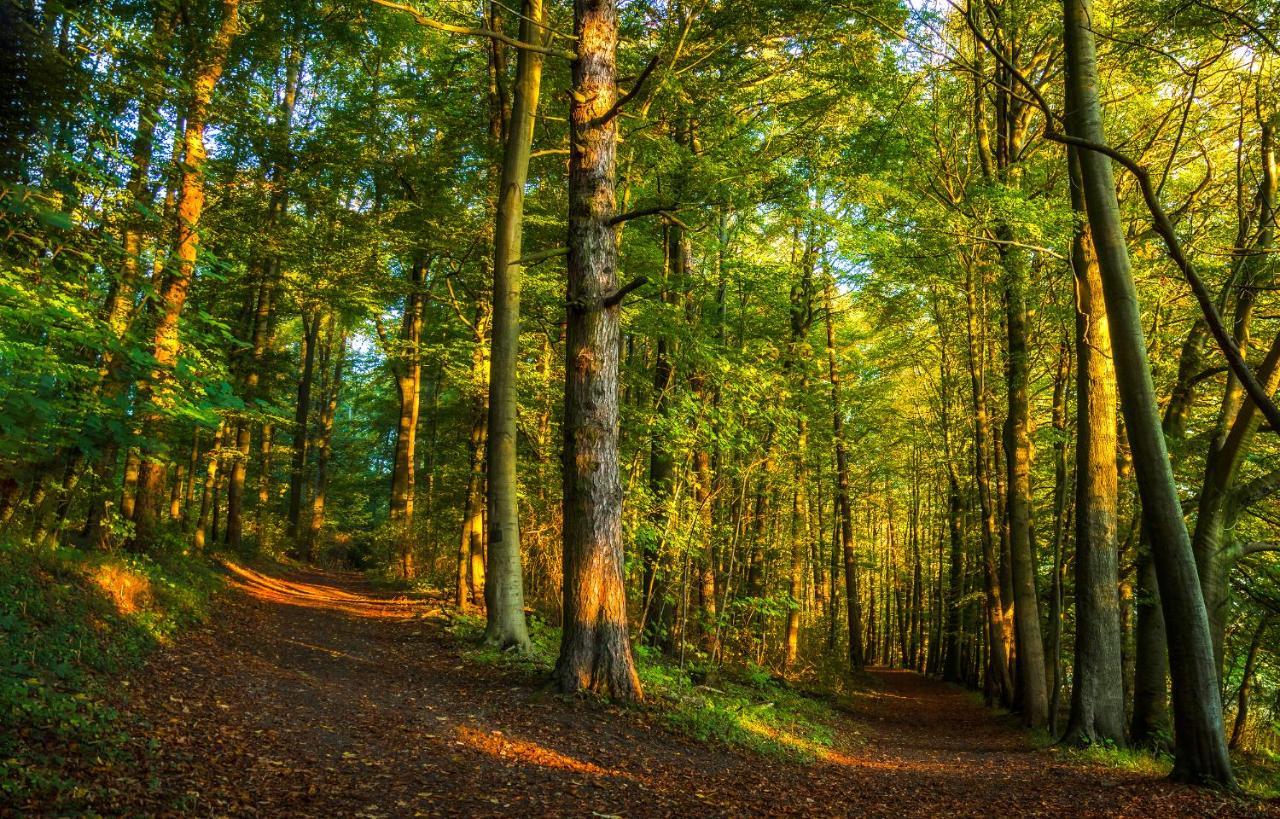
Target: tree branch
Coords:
[[618, 295], [627, 97], [541, 256], [1163, 227], [422, 20]]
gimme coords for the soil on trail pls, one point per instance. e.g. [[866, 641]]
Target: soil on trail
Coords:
[[312, 694]]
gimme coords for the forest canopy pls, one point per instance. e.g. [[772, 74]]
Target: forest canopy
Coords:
[[796, 335]]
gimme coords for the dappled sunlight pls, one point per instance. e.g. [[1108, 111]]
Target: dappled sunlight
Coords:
[[129, 590], [497, 744], [318, 595]]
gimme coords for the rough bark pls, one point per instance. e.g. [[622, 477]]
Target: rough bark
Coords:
[[595, 649]]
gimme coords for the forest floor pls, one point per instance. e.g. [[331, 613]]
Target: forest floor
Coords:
[[317, 694]]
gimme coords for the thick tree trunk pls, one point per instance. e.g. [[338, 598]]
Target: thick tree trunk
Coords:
[[595, 649], [504, 583], [1200, 754], [154, 392], [1097, 693]]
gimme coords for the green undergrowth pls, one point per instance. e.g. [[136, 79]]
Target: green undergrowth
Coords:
[[72, 621], [1257, 774], [745, 708]]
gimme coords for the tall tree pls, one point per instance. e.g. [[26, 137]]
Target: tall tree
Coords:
[[595, 647]]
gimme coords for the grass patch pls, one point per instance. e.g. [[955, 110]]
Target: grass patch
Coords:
[[1135, 760], [744, 708], [1258, 773], [70, 621]]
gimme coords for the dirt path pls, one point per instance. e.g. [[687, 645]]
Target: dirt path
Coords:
[[312, 695]]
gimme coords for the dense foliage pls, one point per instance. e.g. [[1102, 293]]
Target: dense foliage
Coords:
[[246, 298]]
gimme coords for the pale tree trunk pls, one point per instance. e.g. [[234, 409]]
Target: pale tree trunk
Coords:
[[155, 392], [1200, 753], [1097, 692], [504, 581], [595, 649]]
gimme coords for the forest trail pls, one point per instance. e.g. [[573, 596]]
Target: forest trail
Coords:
[[313, 694]]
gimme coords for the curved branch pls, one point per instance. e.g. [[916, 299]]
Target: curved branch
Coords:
[[423, 20]]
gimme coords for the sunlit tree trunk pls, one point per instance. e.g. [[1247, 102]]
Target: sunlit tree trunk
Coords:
[[999, 667], [469, 569], [595, 648], [1097, 691], [155, 392], [504, 583]]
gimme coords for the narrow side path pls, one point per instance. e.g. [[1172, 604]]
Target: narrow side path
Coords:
[[312, 694]]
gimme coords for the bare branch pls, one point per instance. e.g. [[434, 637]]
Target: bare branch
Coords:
[[630, 95], [618, 295]]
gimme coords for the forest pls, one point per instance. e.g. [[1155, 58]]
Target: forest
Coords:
[[849, 350]]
